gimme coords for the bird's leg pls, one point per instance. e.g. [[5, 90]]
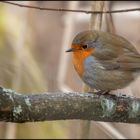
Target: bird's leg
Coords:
[[103, 92]]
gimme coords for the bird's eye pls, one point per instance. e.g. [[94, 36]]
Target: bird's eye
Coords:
[[85, 46]]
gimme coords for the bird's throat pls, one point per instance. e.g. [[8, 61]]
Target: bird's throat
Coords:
[[79, 58]]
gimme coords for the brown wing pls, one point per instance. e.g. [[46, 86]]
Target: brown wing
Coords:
[[129, 61], [123, 54], [130, 58]]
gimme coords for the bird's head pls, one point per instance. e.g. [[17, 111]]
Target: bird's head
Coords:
[[84, 44]]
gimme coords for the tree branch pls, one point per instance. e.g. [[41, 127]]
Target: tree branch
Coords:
[[15, 107], [70, 10]]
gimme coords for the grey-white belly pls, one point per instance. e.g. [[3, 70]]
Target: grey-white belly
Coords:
[[96, 76]]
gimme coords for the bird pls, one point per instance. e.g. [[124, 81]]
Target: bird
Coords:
[[104, 61]]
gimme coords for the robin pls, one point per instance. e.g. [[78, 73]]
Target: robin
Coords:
[[104, 61]]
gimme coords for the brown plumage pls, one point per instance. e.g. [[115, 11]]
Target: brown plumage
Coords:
[[105, 61]]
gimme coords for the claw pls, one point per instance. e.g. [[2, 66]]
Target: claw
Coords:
[[103, 92]]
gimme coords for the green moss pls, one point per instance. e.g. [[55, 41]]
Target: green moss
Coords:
[[8, 90], [17, 110], [108, 106], [27, 101], [134, 109]]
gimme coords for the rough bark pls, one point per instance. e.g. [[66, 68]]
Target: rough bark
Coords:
[[15, 107]]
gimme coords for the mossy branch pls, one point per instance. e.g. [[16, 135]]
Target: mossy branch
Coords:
[[15, 107]]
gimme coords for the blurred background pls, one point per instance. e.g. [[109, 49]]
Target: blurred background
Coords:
[[33, 60]]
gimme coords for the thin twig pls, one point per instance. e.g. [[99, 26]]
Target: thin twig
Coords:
[[70, 10]]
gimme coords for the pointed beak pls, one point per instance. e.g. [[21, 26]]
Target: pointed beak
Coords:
[[70, 50]]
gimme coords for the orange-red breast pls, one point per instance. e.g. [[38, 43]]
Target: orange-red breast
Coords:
[[104, 61]]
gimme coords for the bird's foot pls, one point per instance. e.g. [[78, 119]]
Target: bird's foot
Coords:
[[103, 92]]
